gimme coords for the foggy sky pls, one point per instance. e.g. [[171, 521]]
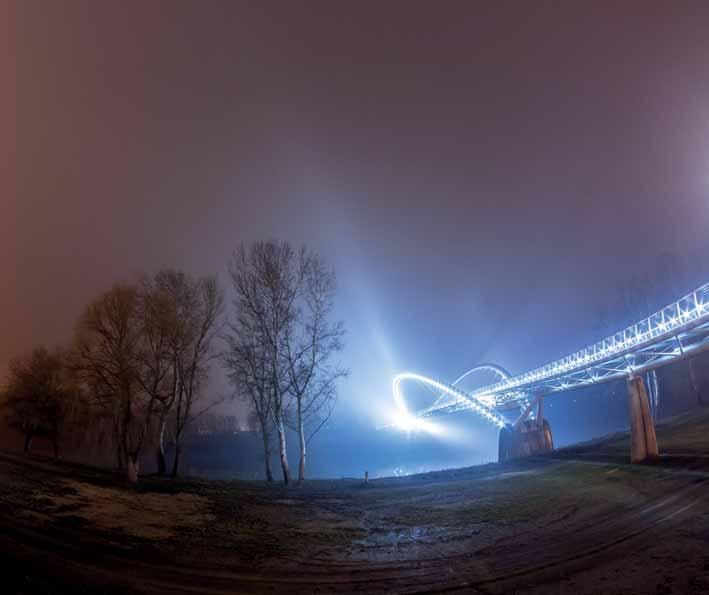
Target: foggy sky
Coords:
[[480, 176]]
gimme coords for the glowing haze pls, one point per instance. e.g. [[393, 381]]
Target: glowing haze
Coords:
[[481, 178]]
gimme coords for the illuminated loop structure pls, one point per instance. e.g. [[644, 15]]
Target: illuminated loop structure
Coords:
[[675, 332]]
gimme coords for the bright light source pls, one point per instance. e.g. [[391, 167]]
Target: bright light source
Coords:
[[409, 423]]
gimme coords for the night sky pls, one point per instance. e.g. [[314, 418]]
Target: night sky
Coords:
[[481, 177]]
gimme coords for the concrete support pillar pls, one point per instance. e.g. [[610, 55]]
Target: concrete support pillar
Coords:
[[530, 438], [548, 438], [505, 443], [643, 442]]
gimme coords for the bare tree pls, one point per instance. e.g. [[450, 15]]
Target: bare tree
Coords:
[[248, 364], [281, 341], [41, 397], [309, 347], [172, 302], [69, 413], [108, 359], [160, 331], [144, 352], [200, 310], [267, 281]]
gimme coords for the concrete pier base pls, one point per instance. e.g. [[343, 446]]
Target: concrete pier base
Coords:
[[530, 438], [643, 442]]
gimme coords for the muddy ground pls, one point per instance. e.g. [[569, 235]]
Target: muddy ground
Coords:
[[580, 521]]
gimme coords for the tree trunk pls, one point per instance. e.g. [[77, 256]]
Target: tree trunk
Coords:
[[132, 469], [282, 451], [55, 446], [301, 437], [28, 443], [120, 461], [162, 464], [176, 462], [695, 382], [267, 454]]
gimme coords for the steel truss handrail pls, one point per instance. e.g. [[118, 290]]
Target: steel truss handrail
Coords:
[[688, 315], [674, 332]]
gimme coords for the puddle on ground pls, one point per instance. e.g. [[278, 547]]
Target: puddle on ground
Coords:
[[413, 535]]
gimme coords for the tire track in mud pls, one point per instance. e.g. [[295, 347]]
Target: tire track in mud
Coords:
[[551, 556]]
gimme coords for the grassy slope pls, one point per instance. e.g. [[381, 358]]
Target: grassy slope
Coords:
[[686, 434]]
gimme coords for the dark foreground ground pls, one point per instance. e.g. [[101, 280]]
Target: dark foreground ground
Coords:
[[581, 521]]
